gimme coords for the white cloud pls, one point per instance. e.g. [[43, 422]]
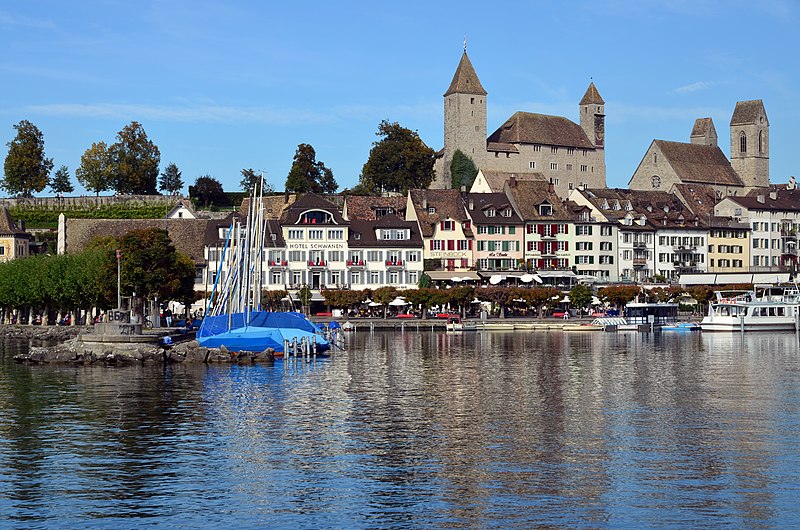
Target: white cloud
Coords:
[[694, 87]]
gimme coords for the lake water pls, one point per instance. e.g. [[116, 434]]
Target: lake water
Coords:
[[415, 430]]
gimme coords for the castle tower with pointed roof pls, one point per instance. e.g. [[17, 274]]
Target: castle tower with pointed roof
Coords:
[[750, 143], [464, 120], [593, 116]]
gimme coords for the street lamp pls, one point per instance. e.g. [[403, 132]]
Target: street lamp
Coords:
[[119, 296]]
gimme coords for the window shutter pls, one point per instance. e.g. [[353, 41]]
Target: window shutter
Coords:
[[566, 245], [553, 230], [431, 244], [591, 259], [566, 229], [469, 243], [540, 229]]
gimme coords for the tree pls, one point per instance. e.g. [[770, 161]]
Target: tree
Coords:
[[619, 295], [134, 161], [94, 173], [400, 161], [580, 296], [462, 170], [308, 175], [61, 184], [170, 180], [152, 267], [27, 170], [208, 191]]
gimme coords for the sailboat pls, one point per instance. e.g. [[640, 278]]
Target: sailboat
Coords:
[[235, 317]]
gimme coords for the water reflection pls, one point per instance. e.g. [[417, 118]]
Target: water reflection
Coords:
[[416, 429]]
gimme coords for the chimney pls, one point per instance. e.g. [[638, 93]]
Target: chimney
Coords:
[[773, 194], [550, 187], [471, 204], [512, 181], [424, 203], [286, 197], [760, 198]]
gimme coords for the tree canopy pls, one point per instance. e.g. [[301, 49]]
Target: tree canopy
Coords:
[[309, 175], [208, 191], [462, 170], [26, 168], [61, 182], [134, 161], [398, 162], [170, 180], [151, 266], [94, 172]]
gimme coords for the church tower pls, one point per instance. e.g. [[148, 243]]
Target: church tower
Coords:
[[704, 132], [750, 143], [464, 120]]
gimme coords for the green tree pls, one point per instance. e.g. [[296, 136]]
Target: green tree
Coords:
[[94, 172], [580, 296], [61, 184], [309, 175], [152, 267], [208, 191], [462, 170], [619, 295], [170, 180], [398, 162], [134, 161], [27, 170]]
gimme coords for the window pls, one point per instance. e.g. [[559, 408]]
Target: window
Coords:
[[448, 225], [570, 150], [431, 209], [297, 255], [315, 234], [537, 148], [545, 209], [570, 185], [532, 164], [337, 234], [606, 260], [507, 212], [760, 142], [374, 255], [276, 278], [295, 234], [336, 255], [436, 244], [381, 211], [554, 181], [412, 255], [554, 166], [656, 182], [742, 142], [375, 277], [605, 245], [490, 212], [584, 167], [605, 230], [583, 230], [554, 149]]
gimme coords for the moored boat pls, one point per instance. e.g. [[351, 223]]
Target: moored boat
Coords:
[[757, 310]]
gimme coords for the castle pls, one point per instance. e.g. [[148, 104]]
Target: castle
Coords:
[[566, 154]]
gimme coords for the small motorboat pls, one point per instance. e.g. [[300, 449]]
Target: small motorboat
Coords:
[[681, 326]]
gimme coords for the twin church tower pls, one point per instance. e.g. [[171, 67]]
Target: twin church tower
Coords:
[[570, 155]]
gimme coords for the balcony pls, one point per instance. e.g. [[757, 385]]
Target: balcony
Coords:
[[639, 244], [789, 234], [547, 237], [394, 264], [317, 264], [639, 262], [355, 264], [277, 264]]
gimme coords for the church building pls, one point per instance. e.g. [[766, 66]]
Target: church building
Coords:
[[568, 154]]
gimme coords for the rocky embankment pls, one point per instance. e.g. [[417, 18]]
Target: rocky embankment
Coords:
[[72, 350]]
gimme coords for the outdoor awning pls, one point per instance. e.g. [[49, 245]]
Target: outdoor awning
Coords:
[[731, 278], [771, 277], [448, 275], [556, 274]]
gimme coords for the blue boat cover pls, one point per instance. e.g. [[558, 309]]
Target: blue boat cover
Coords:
[[264, 329]]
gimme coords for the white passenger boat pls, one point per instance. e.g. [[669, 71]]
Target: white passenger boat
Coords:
[[765, 309]]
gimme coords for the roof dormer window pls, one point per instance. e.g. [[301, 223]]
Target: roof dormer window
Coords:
[[545, 209]]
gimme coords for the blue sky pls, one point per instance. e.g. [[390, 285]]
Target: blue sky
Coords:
[[222, 86]]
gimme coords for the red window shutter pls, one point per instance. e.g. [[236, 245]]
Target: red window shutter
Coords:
[[470, 243], [566, 245], [553, 230], [451, 244], [441, 225], [566, 229], [540, 229], [431, 244]]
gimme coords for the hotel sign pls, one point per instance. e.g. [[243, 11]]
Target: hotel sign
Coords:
[[316, 246], [450, 254]]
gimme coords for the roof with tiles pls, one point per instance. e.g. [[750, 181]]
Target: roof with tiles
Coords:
[[702, 126], [465, 80], [698, 198], [479, 204], [592, 96], [698, 163], [529, 195], [497, 179], [188, 235], [363, 233], [7, 226], [773, 199], [358, 207], [311, 201], [531, 128], [747, 112], [446, 204], [660, 208]]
